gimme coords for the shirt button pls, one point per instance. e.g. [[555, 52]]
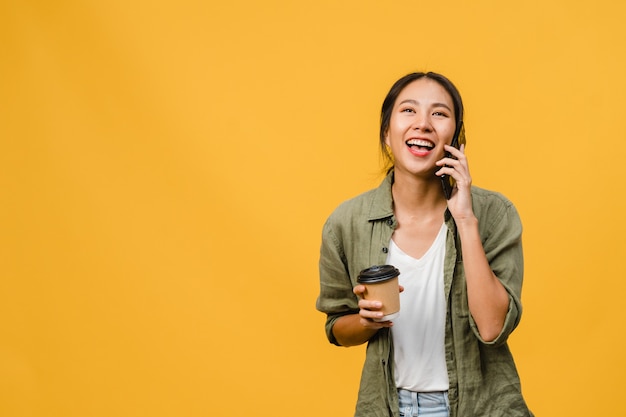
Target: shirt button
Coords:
[[389, 222], [385, 250]]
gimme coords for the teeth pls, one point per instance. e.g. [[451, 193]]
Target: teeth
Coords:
[[420, 143]]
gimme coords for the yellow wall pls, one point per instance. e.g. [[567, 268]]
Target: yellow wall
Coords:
[[166, 167]]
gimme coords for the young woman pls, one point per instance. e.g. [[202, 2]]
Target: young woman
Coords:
[[460, 262]]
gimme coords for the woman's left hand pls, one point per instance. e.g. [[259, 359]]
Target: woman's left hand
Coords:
[[460, 203]]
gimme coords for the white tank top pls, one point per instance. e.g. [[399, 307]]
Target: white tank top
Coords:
[[418, 332]]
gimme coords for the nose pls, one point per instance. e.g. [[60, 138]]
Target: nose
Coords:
[[422, 123]]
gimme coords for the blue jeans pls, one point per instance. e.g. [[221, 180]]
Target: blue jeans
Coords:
[[429, 404]]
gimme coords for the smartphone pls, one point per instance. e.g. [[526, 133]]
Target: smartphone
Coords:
[[447, 182]]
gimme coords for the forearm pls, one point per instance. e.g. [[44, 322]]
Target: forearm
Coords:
[[349, 330], [488, 300]]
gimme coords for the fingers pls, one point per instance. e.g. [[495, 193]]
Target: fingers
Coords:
[[456, 165], [456, 158], [455, 152], [376, 325], [359, 290], [370, 310]]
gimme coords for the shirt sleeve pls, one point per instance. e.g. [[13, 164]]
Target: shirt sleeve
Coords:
[[503, 247], [336, 298]]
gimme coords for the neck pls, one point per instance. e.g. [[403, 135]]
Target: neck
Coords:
[[418, 195]]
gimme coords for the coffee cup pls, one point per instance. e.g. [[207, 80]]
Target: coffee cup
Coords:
[[381, 284]]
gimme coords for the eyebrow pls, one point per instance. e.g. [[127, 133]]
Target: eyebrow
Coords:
[[411, 101]]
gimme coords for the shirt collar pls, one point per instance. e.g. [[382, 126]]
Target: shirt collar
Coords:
[[382, 203]]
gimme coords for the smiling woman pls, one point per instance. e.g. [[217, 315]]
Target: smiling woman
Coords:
[[460, 262], [421, 123], [443, 107]]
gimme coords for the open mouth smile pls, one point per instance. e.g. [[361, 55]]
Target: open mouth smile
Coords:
[[420, 147]]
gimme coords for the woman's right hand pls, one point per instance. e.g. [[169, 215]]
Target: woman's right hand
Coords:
[[355, 329], [370, 310]]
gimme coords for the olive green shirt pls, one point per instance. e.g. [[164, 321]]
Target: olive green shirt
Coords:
[[483, 378]]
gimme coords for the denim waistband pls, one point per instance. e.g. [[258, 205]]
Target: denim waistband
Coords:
[[410, 401]]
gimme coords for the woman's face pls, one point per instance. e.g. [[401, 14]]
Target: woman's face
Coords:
[[422, 121]]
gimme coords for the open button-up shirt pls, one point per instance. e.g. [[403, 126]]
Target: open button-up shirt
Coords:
[[483, 377]]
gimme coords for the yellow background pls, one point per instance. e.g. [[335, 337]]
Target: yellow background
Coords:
[[166, 167]]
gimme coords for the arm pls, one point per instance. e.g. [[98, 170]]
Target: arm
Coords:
[[356, 329], [350, 317], [337, 297], [488, 299]]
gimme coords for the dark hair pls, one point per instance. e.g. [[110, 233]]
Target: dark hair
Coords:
[[394, 92]]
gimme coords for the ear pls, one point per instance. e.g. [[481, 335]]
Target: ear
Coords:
[[387, 137]]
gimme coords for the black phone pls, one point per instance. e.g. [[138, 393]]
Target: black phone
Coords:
[[447, 182]]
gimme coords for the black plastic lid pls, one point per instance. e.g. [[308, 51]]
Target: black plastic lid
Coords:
[[377, 273]]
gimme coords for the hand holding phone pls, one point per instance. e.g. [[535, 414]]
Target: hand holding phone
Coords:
[[447, 182]]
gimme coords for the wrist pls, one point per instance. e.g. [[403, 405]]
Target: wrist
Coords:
[[469, 222], [467, 227]]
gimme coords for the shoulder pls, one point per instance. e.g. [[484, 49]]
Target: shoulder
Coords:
[[486, 198], [350, 216], [374, 204], [492, 207], [358, 205]]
